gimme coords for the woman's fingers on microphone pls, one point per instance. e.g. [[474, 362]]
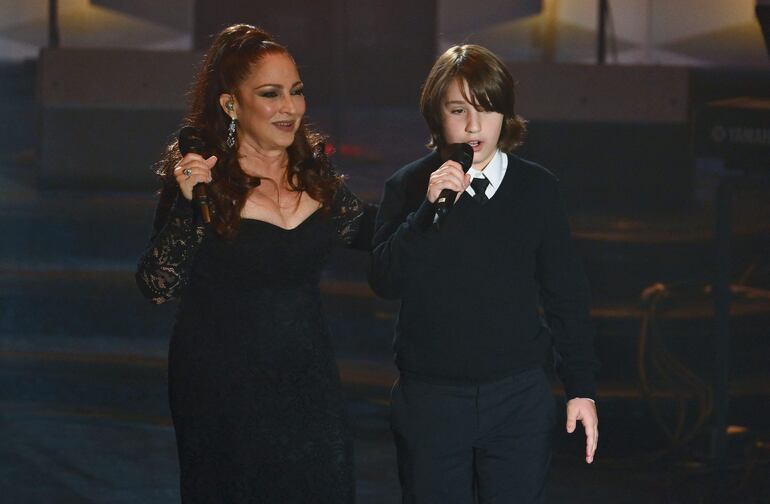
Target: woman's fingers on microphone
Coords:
[[191, 156], [191, 176], [193, 159], [194, 168]]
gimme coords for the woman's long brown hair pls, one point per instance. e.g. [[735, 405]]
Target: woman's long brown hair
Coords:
[[226, 64]]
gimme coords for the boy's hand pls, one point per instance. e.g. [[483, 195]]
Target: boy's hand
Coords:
[[585, 411], [448, 176]]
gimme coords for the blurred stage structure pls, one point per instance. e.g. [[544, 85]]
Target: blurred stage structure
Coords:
[[363, 63], [105, 115]]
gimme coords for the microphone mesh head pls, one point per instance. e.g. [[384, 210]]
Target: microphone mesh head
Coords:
[[190, 141], [463, 154]]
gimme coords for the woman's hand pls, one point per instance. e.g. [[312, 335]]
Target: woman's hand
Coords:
[[448, 176], [191, 170]]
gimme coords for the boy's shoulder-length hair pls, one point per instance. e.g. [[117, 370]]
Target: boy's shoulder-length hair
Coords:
[[491, 88]]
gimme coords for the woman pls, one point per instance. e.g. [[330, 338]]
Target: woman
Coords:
[[254, 390]]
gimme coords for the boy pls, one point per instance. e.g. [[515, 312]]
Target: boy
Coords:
[[472, 412]]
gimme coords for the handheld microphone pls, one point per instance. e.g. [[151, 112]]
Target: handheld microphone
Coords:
[[190, 141], [463, 154]]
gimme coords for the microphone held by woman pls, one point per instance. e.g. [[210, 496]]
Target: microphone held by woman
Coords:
[[190, 141]]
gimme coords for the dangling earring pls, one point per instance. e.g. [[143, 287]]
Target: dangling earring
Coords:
[[231, 133]]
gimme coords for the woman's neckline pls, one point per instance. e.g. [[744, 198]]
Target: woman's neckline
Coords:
[[281, 227]]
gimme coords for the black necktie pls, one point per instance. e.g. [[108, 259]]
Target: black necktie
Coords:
[[479, 186]]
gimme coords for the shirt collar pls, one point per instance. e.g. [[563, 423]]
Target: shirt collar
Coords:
[[493, 171]]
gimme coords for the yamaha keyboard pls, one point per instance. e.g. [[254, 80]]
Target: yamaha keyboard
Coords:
[[736, 131]]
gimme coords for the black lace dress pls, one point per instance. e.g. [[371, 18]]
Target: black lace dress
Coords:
[[255, 396]]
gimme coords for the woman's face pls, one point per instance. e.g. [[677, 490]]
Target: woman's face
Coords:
[[462, 123], [270, 104]]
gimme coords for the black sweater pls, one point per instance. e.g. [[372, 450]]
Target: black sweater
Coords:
[[470, 293]]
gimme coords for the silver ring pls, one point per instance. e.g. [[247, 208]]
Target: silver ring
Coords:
[[187, 172]]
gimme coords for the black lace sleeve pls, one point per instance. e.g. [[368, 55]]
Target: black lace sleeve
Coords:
[[354, 219], [164, 268]]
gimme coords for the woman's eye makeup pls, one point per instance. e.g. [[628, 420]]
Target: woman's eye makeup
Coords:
[[275, 93]]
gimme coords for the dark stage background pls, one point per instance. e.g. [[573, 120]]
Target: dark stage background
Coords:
[[641, 151]]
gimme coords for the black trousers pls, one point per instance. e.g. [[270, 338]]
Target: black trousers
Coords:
[[457, 443]]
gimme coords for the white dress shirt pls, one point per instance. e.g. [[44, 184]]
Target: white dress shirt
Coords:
[[494, 172]]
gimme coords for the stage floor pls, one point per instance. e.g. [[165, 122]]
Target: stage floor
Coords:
[[86, 421]]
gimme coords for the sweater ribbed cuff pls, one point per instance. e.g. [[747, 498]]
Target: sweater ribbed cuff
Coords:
[[422, 220], [580, 385]]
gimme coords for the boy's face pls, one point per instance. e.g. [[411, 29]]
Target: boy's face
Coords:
[[462, 123]]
